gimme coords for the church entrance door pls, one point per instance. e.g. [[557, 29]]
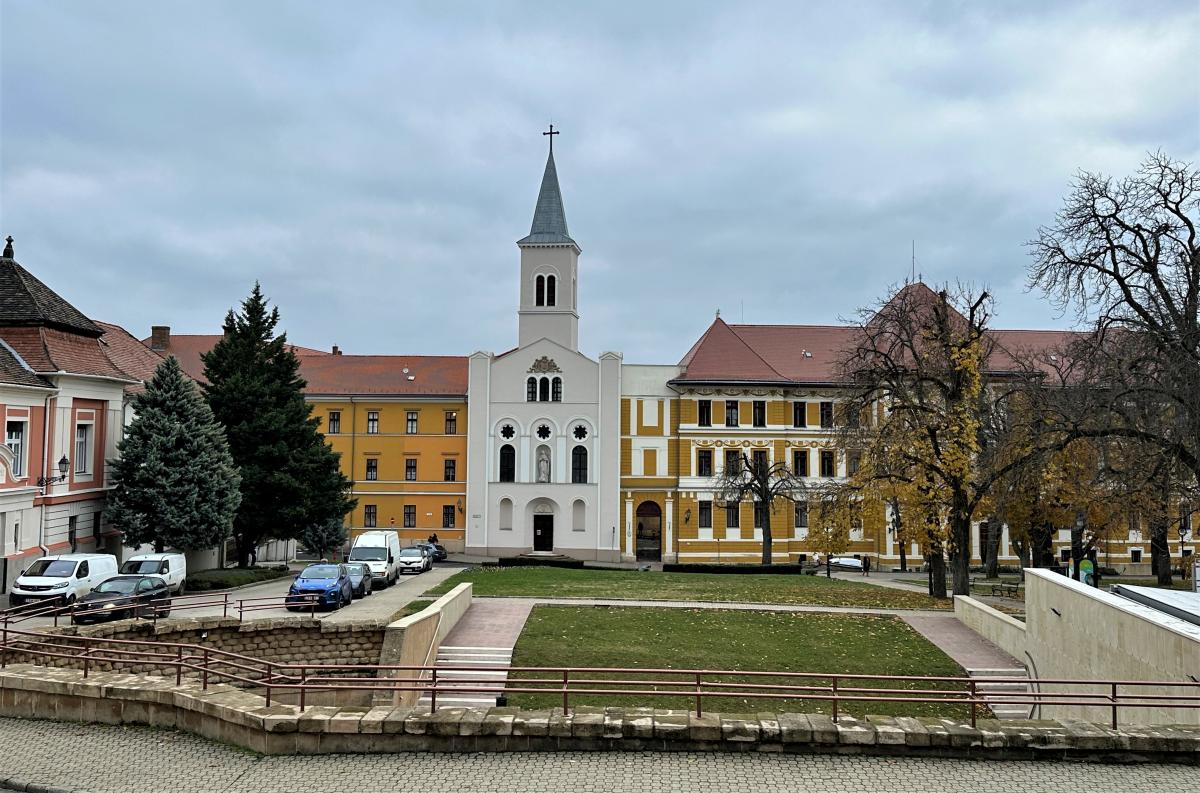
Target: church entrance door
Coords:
[[543, 532], [649, 532]]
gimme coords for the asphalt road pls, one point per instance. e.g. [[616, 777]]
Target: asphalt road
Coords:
[[380, 604]]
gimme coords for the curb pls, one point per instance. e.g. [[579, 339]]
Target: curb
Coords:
[[16, 785]]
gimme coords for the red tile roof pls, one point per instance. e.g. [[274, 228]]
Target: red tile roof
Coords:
[[416, 375], [48, 351], [130, 355], [187, 349]]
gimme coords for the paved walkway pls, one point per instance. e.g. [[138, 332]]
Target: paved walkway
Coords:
[[715, 604], [105, 759]]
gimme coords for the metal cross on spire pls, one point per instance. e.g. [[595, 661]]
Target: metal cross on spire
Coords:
[[552, 133]]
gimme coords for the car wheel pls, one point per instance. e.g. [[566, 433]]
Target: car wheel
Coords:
[[337, 601], [182, 587], [71, 600]]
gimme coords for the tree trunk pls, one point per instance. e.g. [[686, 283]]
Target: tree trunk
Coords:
[[1160, 553], [903, 560], [1022, 547], [898, 530], [1077, 550], [766, 545], [243, 551], [991, 548], [829, 565], [937, 573], [960, 532], [158, 545]]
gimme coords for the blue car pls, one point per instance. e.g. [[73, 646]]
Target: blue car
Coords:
[[329, 583]]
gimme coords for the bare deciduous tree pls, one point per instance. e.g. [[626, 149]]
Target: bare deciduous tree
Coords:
[[763, 483]]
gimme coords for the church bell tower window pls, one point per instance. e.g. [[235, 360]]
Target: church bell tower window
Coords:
[[551, 283], [544, 390], [531, 389], [540, 291], [556, 389]]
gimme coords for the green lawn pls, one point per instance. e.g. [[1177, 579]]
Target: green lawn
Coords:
[[594, 636], [727, 588]]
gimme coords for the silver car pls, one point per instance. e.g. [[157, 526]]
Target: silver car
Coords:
[[414, 560]]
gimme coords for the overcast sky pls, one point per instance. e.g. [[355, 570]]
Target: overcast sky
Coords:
[[373, 163]]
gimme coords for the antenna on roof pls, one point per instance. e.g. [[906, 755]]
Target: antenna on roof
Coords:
[[914, 260]]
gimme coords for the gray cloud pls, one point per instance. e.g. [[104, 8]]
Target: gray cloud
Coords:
[[372, 164]]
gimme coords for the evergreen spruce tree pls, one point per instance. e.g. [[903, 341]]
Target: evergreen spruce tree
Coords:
[[175, 483], [323, 538], [290, 476]]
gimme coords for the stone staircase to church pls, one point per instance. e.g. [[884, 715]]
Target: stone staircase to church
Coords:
[[450, 663]]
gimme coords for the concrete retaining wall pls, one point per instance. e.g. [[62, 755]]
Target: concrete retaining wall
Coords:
[[997, 627], [414, 640], [238, 717]]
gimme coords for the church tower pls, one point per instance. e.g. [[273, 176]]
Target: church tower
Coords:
[[549, 269]]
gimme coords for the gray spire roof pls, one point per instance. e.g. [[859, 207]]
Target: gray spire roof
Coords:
[[549, 217]]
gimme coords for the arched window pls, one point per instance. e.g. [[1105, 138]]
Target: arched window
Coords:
[[544, 390], [531, 390], [556, 390], [579, 472], [505, 514], [551, 282], [540, 291], [508, 463]]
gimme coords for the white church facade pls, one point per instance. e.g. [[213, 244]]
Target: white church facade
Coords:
[[543, 446]]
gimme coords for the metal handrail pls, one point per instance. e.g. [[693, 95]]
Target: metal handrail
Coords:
[[220, 665], [158, 608]]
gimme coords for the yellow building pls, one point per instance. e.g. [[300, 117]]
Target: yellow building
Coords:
[[400, 425]]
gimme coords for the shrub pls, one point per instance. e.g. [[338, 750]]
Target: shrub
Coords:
[[524, 561], [209, 580], [753, 569]]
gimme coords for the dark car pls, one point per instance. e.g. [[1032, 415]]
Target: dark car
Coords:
[[360, 578], [328, 583], [436, 550], [122, 597]]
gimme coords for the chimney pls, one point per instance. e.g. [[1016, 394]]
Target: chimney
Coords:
[[336, 351], [160, 337]]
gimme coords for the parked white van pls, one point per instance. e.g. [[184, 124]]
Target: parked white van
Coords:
[[170, 567], [68, 576], [380, 551]]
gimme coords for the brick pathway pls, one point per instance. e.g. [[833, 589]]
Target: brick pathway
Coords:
[[105, 759]]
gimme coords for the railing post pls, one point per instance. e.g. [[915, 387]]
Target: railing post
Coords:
[[4, 652], [835, 699], [204, 670], [699, 711], [225, 606], [303, 687], [433, 691], [565, 695], [178, 664], [1114, 706], [270, 677], [86, 650], [971, 691]]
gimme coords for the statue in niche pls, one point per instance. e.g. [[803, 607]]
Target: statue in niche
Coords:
[[543, 465]]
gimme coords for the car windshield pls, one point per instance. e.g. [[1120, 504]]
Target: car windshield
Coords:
[[410, 552], [144, 567], [356, 569], [368, 553], [117, 586], [52, 568], [320, 571]]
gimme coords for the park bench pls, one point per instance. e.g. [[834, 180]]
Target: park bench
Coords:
[[1009, 590]]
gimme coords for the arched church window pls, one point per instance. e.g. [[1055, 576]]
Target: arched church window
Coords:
[[508, 463], [556, 390], [551, 283], [531, 390], [539, 298], [579, 467], [543, 432], [544, 390]]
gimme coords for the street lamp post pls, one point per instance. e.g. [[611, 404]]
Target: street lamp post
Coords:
[[64, 465]]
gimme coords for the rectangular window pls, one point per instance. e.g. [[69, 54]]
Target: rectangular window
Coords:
[[334, 425], [410, 516], [449, 473], [83, 448], [14, 437], [704, 462], [733, 462], [372, 422], [372, 469], [826, 415], [410, 469], [853, 461], [759, 413], [410, 425], [802, 514], [733, 518], [799, 414], [759, 459], [800, 462], [1065, 554], [827, 466], [761, 514], [705, 514], [704, 414], [448, 516], [1135, 555], [853, 417], [370, 516], [731, 413], [451, 422]]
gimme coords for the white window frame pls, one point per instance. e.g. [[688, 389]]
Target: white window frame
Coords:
[[83, 462], [22, 447]]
